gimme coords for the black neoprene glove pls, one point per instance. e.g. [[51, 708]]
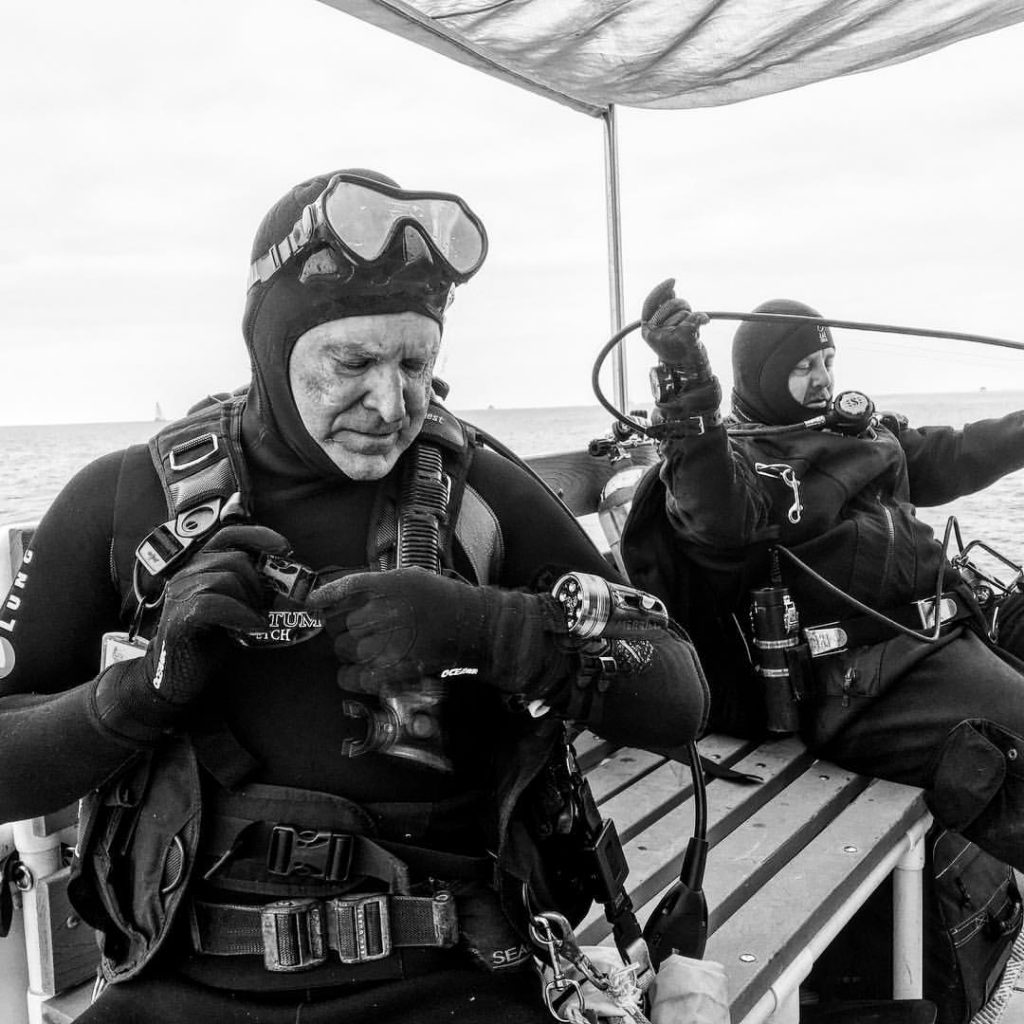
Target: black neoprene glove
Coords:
[[216, 593], [396, 627], [671, 328]]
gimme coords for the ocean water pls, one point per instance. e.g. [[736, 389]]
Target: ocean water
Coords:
[[36, 461]]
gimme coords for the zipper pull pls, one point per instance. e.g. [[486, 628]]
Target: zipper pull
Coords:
[[849, 678]]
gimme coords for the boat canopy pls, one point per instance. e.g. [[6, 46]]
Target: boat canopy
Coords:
[[589, 54]]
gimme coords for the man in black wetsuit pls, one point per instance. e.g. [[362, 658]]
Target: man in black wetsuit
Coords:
[[884, 696], [326, 799]]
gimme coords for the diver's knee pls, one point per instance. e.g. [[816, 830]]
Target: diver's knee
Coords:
[[971, 769]]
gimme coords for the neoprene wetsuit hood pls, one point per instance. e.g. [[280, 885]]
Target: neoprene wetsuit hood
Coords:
[[763, 356], [279, 311]]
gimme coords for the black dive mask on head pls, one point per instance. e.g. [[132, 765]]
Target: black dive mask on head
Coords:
[[351, 243], [364, 219], [763, 356]]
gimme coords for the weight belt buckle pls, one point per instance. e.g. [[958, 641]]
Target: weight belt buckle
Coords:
[[360, 928], [293, 935]]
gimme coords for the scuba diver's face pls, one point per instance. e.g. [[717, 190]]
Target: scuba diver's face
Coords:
[[811, 381], [361, 385]]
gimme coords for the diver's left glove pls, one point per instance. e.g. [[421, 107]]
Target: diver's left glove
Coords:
[[686, 393], [396, 627]]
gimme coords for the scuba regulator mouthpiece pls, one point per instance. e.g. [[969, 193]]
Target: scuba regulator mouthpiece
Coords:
[[850, 412]]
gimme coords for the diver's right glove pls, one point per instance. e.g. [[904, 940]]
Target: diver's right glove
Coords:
[[218, 592], [392, 628]]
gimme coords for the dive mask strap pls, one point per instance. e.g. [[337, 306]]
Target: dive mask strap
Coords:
[[263, 269]]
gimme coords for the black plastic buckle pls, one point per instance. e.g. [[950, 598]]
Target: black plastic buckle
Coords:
[[607, 862], [310, 853], [167, 544]]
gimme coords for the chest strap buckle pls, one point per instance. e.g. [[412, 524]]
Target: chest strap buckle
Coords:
[[309, 853]]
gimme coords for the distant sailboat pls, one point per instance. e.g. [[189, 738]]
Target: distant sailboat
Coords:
[[158, 415]]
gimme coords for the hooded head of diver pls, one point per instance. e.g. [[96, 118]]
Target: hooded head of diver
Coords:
[[349, 283], [782, 372]]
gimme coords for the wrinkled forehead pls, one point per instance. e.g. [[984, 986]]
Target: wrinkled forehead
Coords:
[[382, 335]]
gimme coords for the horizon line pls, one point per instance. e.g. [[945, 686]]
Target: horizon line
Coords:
[[506, 408]]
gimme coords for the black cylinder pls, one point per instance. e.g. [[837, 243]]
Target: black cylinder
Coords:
[[776, 628]]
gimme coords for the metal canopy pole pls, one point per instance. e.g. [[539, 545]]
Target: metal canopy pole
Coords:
[[614, 219]]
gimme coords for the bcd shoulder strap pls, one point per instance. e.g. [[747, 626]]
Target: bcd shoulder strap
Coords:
[[200, 457]]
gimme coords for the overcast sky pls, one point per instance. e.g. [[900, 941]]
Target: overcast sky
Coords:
[[142, 143]]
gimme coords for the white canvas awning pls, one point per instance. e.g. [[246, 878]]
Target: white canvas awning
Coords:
[[589, 54]]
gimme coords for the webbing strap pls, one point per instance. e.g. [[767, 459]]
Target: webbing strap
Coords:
[[297, 853], [200, 457], [221, 753], [479, 533]]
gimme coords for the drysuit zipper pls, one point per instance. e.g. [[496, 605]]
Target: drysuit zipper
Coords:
[[890, 546]]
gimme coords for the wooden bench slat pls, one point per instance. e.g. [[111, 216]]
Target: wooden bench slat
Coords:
[[655, 854], [723, 750], [626, 767], [637, 806], [772, 837], [768, 840], [591, 750], [796, 903], [63, 1009]]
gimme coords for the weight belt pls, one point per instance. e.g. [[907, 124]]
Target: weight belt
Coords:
[[298, 934]]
